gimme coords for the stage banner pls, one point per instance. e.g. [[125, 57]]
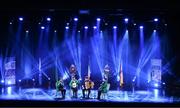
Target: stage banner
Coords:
[[10, 68], [156, 70]]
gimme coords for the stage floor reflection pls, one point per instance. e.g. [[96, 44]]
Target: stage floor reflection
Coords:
[[155, 95]]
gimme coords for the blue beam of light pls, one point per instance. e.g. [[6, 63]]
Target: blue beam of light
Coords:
[[167, 67], [1, 67], [97, 46], [141, 39], [74, 29], [75, 51], [60, 71], [119, 52], [152, 48]]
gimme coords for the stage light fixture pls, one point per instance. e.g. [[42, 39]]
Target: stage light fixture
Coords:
[[19, 80], [134, 24], [86, 27], [114, 27], [42, 27], [9, 82], [79, 31], [94, 27], [67, 27], [20, 19], [55, 31], [48, 19], [98, 19], [126, 20], [156, 85], [10, 23], [155, 19], [2, 81], [154, 30], [75, 19], [27, 31], [141, 27]]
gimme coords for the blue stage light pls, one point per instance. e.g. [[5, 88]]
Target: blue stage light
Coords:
[[67, 27], [55, 31], [98, 19], [33, 79], [94, 27], [10, 23], [114, 27], [48, 19], [9, 82], [154, 30], [141, 27], [20, 19], [155, 19], [42, 27], [126, 19], [19, 80], [2, 81], [27, 31], [155, 85], [86, 27], [75, 19]]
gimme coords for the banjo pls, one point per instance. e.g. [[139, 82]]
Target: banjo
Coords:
[[74, 84]]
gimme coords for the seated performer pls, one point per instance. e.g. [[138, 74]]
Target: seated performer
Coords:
[[74, 86], [60, 87], [87, 86], [102, 88]]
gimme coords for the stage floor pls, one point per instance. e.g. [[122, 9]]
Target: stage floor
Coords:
[[155, 95]]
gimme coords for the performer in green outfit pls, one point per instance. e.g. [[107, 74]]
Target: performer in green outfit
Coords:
[[74, 86], [102, 88], [60, 87]]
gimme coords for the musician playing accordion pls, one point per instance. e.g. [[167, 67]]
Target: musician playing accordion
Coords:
[[74, 86], [87, 86]]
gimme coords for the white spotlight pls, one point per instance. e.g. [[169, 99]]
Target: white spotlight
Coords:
[[67, 27], [2, 81], [86, 27], [98, 19], [48, 19]]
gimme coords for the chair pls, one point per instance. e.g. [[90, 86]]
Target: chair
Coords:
[[105, 94]]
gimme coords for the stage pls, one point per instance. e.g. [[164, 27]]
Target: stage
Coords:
[[48, 96]]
